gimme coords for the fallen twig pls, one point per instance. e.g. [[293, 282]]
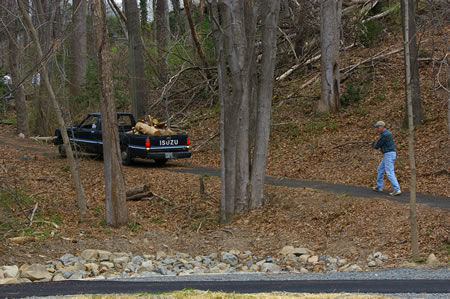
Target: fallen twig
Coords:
[[311, 60], [350, 143], [32, 214], [205, 142]]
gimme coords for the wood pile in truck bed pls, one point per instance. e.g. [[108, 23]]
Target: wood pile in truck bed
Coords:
[[151, 127]]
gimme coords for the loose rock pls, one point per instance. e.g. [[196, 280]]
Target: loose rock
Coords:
[[9, 281], [432, 260], [10, 271], [270, 267], [36, 272], [89, 254], [229, 258]]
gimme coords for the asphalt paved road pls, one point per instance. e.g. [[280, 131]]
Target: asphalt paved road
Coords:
[[294, 286], [426, 199]]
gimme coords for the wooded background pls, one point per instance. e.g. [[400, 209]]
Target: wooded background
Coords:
[[167, 58]]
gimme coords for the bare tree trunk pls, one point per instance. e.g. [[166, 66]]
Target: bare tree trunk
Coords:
[[269, 39], [414, 64], [412, 162], [329, 38], [178, 17], [42, 125], [15, 50], [162, 37], [234, 29], [144, 12], [195, 38], [138, 88], [120, 16], [448, 95], [116, 205], [44, 74], [79, 46]]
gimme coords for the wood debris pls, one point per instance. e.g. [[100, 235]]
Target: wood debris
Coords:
[[151, 127]]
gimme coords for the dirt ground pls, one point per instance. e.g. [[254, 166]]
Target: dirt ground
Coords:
[[337, 148], [183, 221]]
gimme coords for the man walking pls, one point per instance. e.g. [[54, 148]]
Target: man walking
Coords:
[[387, 147]]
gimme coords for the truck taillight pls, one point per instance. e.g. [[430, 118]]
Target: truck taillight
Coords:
[[188, 142], [147, 143]]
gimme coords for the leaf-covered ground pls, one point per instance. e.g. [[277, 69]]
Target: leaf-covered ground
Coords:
[[337, 148], [185, 221]]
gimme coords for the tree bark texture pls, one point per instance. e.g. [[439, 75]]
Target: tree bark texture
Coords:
[[79, 46], [264, 106], [116, 206], [44, 76], [45, 18], [162, 37], [15, 51], [138, 87], [234, 29], [412, 162], [329, 38], [413, 64]]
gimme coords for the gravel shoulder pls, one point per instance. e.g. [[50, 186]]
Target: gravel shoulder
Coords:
[[392, 274]]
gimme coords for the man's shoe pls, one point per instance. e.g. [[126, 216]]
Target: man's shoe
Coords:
[[395, 193], [376, 189]]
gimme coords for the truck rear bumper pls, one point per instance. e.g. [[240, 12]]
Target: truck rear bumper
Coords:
[[168, 155]]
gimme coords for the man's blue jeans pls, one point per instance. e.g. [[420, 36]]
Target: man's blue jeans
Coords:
[[387, 165]]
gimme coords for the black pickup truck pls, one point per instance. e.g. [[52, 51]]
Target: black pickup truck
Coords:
[[87, 137]]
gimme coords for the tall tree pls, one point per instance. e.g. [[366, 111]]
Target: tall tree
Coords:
[[413, 63], [44, 74], [412, 161], [138, 88], [234, 28], [162, 37], [143, 5], [15, 54], [178, 20], [329, 39], [45, 14], [195, 37], [79, 46], [116, 205]]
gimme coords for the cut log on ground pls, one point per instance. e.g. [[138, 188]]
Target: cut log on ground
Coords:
[[140, 196], [137, 190]]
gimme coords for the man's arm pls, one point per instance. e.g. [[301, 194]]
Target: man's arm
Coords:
[[379, 143]]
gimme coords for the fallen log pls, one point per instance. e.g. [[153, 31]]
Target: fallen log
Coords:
[[140, 196], [137, 190]]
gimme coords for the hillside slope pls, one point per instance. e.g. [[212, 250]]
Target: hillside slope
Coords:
[[337, 148]]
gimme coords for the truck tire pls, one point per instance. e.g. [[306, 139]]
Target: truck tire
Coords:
[[126, 156], [160, 162]]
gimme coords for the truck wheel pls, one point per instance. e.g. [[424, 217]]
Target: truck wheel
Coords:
[[62, 151], [126, 156], [160, 162]]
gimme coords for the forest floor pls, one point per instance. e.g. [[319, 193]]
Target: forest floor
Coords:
[[186, 221], [331, 148], [338, 148]]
